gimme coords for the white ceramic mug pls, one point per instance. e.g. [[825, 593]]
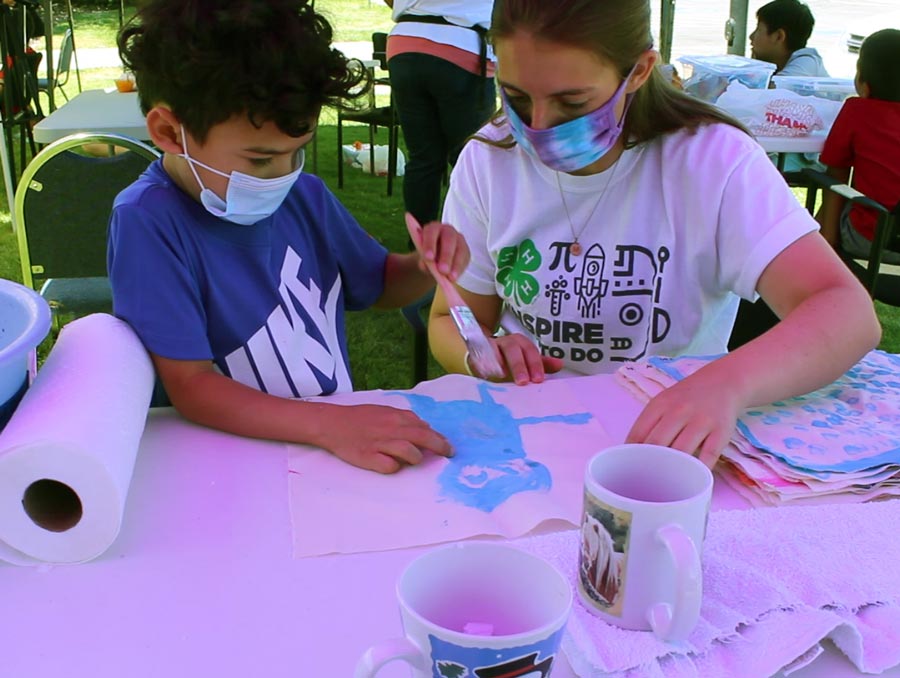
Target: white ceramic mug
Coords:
[[642, 529], [477, 609]]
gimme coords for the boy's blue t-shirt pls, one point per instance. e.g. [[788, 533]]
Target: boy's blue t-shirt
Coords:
[[264, 302]]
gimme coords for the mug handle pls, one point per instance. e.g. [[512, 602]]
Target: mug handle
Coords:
[[387, 651], [676, 623]]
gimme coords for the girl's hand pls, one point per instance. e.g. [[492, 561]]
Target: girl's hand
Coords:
[[697, 415], [521, 360]]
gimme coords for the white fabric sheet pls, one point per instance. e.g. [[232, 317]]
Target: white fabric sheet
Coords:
[[520, 455]]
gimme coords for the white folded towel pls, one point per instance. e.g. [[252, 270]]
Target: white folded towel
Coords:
[[776, 582]]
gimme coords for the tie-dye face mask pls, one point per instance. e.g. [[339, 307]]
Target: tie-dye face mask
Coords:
[[573, 144]]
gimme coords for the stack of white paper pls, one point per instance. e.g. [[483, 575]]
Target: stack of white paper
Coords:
[[839, 443]]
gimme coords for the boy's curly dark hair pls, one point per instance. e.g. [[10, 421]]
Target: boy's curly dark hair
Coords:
[[209, 60]]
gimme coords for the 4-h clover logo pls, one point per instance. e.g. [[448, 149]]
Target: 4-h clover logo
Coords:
[[514, 267]]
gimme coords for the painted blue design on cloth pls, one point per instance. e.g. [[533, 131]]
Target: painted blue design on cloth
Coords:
[[490, 464]]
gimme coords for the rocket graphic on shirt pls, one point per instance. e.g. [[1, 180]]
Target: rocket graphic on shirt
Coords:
[[602, 305]]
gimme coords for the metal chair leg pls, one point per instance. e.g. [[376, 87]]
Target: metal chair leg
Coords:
[[392, 158], [372, 149], [340, 151]]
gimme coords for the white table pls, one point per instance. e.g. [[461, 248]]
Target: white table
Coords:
[[201, 581], [811, 143], [95, 110]]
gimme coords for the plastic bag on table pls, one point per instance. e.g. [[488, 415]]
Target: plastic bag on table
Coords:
[[357, 155], [778, 112]]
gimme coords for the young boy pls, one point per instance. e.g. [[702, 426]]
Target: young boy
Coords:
[[232, 265], [782, 29], [865, 137]]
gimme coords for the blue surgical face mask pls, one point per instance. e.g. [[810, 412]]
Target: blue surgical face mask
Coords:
[[576, 143], [248, 199]]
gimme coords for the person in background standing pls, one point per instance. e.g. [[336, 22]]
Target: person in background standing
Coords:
[[442, 78], [782, 29]]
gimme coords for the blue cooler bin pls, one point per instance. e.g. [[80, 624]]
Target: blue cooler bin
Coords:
[[24, 322]]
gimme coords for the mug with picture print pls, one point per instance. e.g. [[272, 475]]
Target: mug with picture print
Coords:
[[642, 529], [477, 609]]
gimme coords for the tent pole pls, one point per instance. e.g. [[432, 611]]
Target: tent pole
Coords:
[[736, 27], [666, 29]]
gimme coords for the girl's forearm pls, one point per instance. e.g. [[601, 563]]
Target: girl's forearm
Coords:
[[815, 344]]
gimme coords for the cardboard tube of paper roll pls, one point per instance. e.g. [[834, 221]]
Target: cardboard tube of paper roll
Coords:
[[68, 452]]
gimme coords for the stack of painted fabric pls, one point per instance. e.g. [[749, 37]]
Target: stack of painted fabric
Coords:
[[840, 443]]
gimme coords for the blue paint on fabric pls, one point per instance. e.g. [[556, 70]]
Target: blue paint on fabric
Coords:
[[490, 464]]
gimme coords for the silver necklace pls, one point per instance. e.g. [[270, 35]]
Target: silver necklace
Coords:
[[575, 248]]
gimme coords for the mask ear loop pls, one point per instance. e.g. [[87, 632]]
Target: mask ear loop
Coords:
[[191, 162]]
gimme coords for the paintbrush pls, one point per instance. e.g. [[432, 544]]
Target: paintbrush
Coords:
[[479, 347]]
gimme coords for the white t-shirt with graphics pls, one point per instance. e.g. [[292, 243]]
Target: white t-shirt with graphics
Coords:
[[679, 228]]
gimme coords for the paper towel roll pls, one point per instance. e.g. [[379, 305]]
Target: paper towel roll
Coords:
[[67, 454]]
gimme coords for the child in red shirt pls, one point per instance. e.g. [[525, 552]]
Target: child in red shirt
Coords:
[[865, 137]]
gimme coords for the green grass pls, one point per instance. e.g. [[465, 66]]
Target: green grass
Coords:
[[356, 20], [94, 27], [380, 342], [352, 20]]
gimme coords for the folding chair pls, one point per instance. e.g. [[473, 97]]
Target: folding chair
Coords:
[[882, 284], [63, 66], [414, 314], [63, 204], [374, 116]]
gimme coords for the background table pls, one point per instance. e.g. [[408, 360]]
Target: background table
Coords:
[[811, 143], [95, 110], [201, 581]]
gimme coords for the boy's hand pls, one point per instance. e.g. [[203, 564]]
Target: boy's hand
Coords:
[[382, 439], [442, 244]]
